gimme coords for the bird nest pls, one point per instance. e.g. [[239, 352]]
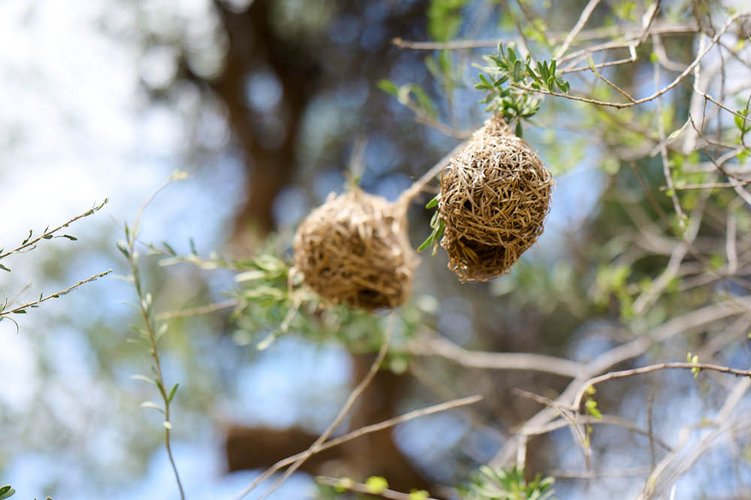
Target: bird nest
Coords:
[[354, 250], [495, 195]]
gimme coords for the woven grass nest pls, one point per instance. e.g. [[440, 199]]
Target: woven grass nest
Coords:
[[354, 250], [495, 195]]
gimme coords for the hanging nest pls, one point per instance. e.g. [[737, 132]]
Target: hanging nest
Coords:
[[354, 250], [495, 195]]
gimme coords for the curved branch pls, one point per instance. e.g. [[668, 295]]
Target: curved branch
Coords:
[[435, 345], [654, 368]]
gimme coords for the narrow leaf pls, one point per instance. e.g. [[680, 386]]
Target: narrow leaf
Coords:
[[433, 202], [143, 378], [389, 87], [172, 393], [152, 405]]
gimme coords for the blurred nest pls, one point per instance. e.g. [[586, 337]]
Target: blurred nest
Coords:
[[495, 195], [354, 250]]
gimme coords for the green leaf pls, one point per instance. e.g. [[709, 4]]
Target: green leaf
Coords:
[[2, 267], [169, 248], [389, 87], [550, 83], [591, 407], [425, 244], [531, 72], [484, 83], [433, 203], [376, 485], [518, 69], [418, 495], [152, 405], [432, 240], [123, 247], [742, 121], [143, 378], [423, 100], [6, 492], [542, 67], [267, 341], [253, 275], [444, 18], [172, 393]]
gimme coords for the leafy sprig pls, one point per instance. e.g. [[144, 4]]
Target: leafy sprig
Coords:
[[270, 301], [506, 78], [150, 332], [9, 307], [437, 226], [30, 242], [694, 360], [499, 484]]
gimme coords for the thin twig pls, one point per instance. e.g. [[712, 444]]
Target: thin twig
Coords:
[[593, 474], [693, 321], [568, 414], [349, 485], [601, 32], [655, 368], [710, 185], [452, 45], [348, 404], [731, 250], [416, 188], [435, 345], [652, 292], [599, 75], [50, 233], [151, 333], [650, 427], [197, 311], [619, 105], [583, 18], [44, 298], [667, 172], [672, 466], [590, 420], [363, 431]]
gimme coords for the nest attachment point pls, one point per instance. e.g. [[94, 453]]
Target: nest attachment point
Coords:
[[495, 195], [354, 250]]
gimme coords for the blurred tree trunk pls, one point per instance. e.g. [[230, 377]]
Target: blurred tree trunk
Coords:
[[253, 45]]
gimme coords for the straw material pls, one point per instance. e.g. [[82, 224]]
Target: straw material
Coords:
[[354, 250], [495, 195]]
